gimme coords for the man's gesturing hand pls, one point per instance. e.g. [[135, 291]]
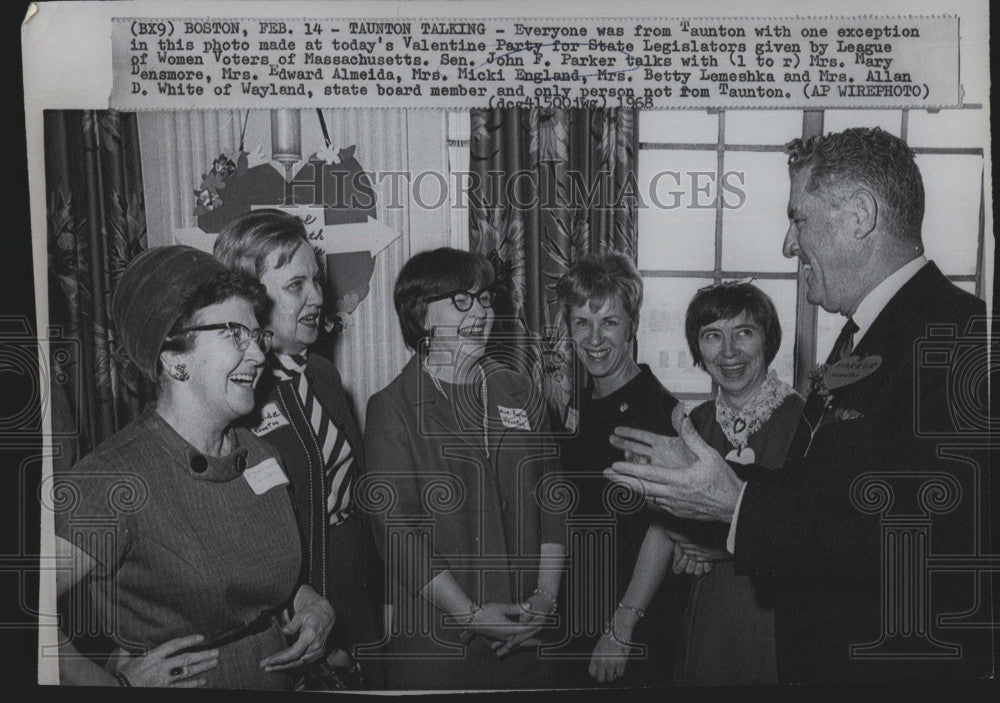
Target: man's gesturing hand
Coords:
[[686, 477]]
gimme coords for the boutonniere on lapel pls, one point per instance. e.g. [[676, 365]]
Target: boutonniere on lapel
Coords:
[[827, 378]]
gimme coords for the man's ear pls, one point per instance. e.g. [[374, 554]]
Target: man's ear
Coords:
[[865, 211]]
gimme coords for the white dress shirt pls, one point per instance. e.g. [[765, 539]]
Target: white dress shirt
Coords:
[[868, 309]]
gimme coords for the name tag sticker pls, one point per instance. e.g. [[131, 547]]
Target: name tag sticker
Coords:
[[265, 476], [271, 418], [515, 418], [572, 419]]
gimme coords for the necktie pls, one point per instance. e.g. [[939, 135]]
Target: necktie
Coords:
[[815, 403], [844, 345], [336, 452]]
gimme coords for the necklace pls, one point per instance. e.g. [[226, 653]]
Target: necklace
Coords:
[[482, 382], [739, 423]]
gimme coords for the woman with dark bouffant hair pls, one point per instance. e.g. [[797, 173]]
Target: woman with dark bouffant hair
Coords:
[[472, 549], [193, 559]]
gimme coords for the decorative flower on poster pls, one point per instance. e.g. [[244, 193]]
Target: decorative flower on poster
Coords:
[[207, 194]]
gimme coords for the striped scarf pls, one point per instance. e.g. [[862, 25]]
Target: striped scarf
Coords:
[[337, 453]]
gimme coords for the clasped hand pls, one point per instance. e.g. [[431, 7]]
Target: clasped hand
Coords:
[[512, 625], [681, 474], [692, 558], [312, 621]]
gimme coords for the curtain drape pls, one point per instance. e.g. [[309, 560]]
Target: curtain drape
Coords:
[[96, 225], [548, 186]]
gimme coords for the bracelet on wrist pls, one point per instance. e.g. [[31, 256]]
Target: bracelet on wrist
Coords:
[[639, 612], [541, 591], [473, 609], [611, 634], [122, 679]]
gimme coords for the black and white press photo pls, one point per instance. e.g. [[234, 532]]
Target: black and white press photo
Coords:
[[467, 348]]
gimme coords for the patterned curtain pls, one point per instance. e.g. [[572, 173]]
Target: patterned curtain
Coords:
[[96, 225], [548, 186]]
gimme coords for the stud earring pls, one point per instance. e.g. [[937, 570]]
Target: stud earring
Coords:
[[180, 372]]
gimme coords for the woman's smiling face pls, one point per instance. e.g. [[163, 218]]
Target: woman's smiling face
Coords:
[[732, 352], [603, 339], [297, 293], [221, 377], [463, 333]]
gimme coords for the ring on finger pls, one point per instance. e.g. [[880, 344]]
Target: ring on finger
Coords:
[[176, 671]]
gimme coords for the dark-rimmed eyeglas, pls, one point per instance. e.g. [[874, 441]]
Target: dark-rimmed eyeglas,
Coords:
[[463, 299], [240, 334]]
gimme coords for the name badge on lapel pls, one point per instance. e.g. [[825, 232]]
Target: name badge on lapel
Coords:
[[850, 370], [514, 418], [572, 419], [265, 476], [271, 418]]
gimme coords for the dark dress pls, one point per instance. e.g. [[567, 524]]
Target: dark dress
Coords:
[[185, 545], [729, 624], [442, 502], [340, 560], [602, 507]]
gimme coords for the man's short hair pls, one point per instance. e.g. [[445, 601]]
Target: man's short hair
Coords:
[[871, 157]]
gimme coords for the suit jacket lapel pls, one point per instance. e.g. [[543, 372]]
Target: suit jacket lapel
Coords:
[[436, 414], [885, 338]]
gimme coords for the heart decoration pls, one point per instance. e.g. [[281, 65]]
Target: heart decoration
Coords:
[[333, 196], [342, 189]]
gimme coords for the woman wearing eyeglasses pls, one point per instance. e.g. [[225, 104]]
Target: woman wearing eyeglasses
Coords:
[[459, 462], [181, 521], [304, 413]]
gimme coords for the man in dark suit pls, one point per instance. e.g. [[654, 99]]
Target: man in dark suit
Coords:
[[868, 493]]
